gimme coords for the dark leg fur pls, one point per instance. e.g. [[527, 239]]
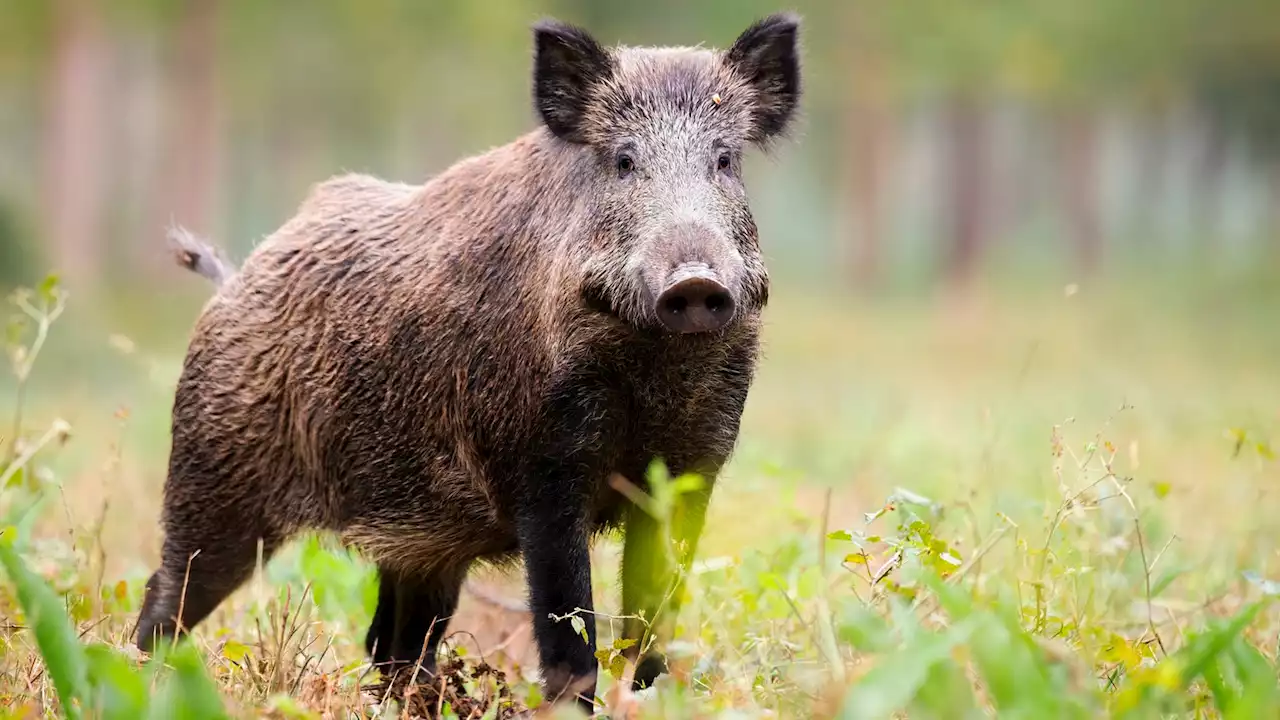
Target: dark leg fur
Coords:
[[553, 528], [412, 617], [382, 629], [559, 572], [213, 523], [193, 583], [648, 577]]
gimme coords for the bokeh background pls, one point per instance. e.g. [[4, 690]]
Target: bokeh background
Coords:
[[998, 216], [941, 140]]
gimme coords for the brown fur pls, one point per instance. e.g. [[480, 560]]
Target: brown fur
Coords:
[[396, 363]]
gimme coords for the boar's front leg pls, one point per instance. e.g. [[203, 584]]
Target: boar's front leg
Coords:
[[553, 525], [654, 562]]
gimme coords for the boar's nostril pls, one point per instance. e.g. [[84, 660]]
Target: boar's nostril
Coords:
[[716, 302], [676, 304], [695, 304]]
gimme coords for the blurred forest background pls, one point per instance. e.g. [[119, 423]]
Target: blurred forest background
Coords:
[[945, 145], [942, 139], [981, 156]]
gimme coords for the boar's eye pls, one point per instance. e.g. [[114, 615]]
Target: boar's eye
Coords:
[[625, 165], [725, 162]]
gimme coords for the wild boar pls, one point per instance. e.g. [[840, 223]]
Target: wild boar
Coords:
[[450, 372]]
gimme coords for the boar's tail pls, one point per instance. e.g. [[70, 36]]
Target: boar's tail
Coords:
[[199, 256]]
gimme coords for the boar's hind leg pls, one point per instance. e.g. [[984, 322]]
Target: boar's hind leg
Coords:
[[210, 549], [648, 576], [377, 642], [412, 616]]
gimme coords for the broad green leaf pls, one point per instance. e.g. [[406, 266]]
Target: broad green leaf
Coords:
[[617, 666], [59, 645], [688, 483], [1224, 696], [946, 693], [234, 651], [895, 681], [1259, 689], [186, 691], [1201, 651], [809, 584], [865, 631], [1014, 669], [118, 689]]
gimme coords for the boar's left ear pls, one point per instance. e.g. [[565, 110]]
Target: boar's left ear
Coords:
[[568, 63], [766, 56]]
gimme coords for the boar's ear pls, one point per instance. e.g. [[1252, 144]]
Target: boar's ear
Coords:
[[766, 56], [568, 62]]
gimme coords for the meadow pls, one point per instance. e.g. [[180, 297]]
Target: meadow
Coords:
[[1039, 500]]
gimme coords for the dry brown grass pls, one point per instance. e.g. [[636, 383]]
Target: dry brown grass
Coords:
[[861, 399]]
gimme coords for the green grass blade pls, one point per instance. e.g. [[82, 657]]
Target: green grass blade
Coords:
[[946, 694], [1224, 696], [187, 693], [1014, 670], [119, 691], [866, 631], [896, 680], [1257, 679], [1206, 648], [55, 636]]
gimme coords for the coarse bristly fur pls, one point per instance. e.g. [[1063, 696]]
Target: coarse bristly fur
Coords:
[[450, 372]]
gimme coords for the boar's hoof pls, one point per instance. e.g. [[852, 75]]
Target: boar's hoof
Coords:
[[647, 670]]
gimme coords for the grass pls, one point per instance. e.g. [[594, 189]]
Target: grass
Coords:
[[1034, 503]]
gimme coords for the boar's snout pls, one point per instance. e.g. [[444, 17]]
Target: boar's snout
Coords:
[[694, 300]]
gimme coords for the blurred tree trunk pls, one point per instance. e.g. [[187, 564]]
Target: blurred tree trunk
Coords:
[[1210, 175], [1275, 208], [74, 144], [1078, 148], [967, 178], [188, 181], [869, 128], [1011, 189], [1153, 172]]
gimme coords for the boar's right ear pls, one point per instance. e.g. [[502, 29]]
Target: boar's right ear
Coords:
[[568, 63], [766, 55]]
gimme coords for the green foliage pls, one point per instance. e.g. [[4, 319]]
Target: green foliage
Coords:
[[91, 680], [119, 690], [188, 692], [919, 674], [96, 680], [932, 668], [1055, 601], [56, 638], [612, 659]]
